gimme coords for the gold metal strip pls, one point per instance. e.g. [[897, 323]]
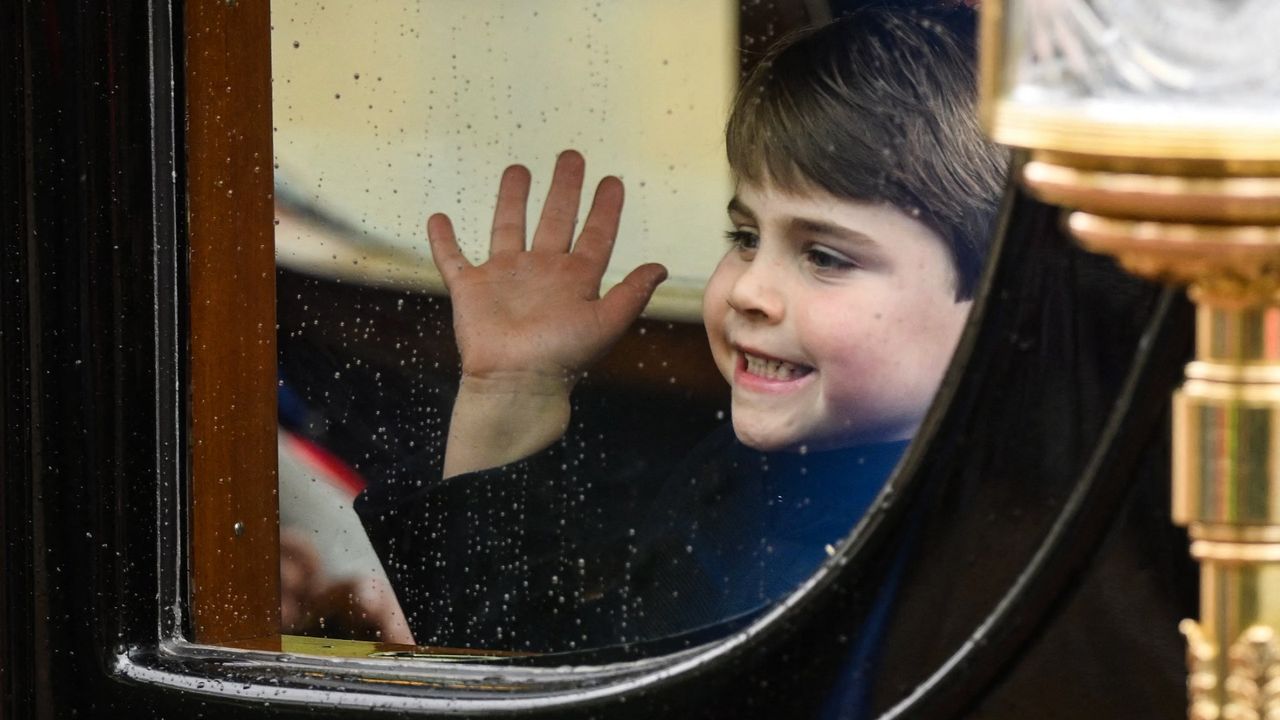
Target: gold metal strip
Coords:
[[1213, 532], [1073, 129], [1174, 236], [1238, 336], [1216, 372], [1254, 396], [1162, 197], [1173, 167], [1229, 552]]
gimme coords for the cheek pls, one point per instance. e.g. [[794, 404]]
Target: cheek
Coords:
[[859, 359], [715, 296], [715, 305], [845, 345], [936, 326], [898, 347], [920, 344], [844, 329]]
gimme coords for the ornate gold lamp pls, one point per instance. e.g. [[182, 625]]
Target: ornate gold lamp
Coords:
[[1158, 123]]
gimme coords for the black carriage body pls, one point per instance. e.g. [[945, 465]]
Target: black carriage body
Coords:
[[1045, 581]]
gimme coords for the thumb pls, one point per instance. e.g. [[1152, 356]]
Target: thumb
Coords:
[[622, 304]]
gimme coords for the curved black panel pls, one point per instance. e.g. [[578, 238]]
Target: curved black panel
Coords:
[[1047, 568], [1040, 576]]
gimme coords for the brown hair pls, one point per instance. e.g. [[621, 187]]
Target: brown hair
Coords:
[[878, 106]]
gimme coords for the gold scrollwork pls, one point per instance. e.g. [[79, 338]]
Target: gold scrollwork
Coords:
[[1253, 687], [1230, 265], [1202, 677]]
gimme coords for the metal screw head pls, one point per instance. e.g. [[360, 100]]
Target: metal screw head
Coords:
[[238, 528]]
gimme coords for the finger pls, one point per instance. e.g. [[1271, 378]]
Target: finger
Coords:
[[444, 247], [623, 303], [373, 604], [601, 228], [397, 629], [508, 214], [301, 568], [298, 548], [560, 212]]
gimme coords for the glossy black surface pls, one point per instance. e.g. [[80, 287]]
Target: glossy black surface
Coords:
[[1060, 405], [1047, 567], [88, 351]]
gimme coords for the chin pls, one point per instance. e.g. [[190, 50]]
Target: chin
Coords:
[[763, 440]]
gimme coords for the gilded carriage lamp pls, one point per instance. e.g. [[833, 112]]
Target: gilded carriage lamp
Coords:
[[1157, 124]]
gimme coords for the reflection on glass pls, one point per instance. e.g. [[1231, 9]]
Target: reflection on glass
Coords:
[[331, 580], [382, 113], [540, 468]]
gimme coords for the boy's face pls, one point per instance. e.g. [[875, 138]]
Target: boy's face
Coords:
[[832, 320]]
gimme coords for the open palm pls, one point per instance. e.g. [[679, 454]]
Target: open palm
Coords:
[[535, 313]]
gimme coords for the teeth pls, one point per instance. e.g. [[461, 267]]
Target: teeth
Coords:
[[774, 369]]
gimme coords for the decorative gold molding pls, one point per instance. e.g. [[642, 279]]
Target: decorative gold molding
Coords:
[[1170, 198], [1160, 166], [1235, 552], [1234, 533], [1202, 675], [1235, 265], [1130, 134], [1261, 373], [1253, 687]]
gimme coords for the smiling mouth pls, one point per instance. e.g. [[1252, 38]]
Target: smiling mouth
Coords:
[[771, 369]]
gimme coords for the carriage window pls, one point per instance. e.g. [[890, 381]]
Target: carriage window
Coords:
[[531, 439], [380, 119]]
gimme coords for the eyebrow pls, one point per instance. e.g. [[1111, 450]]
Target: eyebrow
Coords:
[[739, 207], [812, 225]]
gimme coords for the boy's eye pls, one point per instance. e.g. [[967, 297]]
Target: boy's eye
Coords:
[[743, 239], [827, 260]]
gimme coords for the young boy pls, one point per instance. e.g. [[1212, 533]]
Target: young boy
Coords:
[[864, 195]]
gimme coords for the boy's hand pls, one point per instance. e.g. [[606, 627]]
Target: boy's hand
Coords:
[[535, 315], [530, 320]]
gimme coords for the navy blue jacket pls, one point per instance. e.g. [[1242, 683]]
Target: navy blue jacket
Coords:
[[516, 558]]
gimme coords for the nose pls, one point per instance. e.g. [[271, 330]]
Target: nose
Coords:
[[756, 293]]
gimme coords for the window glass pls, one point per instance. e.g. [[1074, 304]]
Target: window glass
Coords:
[[717, 447], [381, 115]]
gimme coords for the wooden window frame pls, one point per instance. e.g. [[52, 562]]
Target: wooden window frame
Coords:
[[234, 546]]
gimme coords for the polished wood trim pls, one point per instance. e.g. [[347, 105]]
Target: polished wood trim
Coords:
[[337, 647], [235, 592]]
